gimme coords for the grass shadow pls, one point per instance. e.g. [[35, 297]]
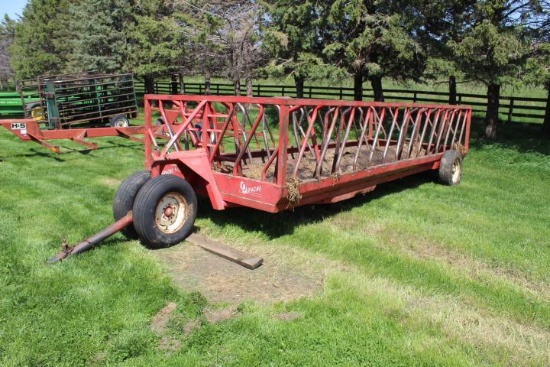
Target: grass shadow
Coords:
[[284, 223], [522, 137]]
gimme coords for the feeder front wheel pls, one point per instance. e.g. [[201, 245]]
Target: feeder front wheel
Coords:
[[164, 211], [125, 197]]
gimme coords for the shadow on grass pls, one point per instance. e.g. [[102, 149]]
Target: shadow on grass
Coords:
[[522, 137], [284, 223], [59, 157]]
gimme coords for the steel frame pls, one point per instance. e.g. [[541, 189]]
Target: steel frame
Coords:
[[323, 151]]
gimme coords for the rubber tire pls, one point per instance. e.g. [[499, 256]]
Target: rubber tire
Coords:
[[120, 121], [450, 168], [125, 197], [146, 205], [29, 107]]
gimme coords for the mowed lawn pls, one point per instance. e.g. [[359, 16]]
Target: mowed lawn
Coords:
[[414, 273]]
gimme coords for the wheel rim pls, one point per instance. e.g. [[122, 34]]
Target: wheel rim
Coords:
[[37, 113], [456, 171], [171, 213], [122, 122]]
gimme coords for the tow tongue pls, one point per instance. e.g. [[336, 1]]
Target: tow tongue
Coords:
[[88, 243]]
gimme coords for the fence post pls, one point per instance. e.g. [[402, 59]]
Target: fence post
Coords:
[[511, 109]]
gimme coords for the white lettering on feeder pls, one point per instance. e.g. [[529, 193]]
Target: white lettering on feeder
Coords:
[[248, 190]]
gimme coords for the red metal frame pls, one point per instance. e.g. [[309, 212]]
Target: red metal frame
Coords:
[[276, 153], [30, 130]]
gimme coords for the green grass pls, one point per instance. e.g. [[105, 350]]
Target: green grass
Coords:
[[416, 273]]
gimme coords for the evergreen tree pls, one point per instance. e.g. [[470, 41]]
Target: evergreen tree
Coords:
[[372, 40], [155, 41], [541, 25], [497, 49], [100, 35], [41, 44], [7, 33], [294, 34], [435, 24]]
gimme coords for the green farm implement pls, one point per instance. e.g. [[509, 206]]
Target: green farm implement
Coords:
[[75, 107]]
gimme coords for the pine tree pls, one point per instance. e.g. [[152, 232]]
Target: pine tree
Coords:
[[42, 45], [372, 40], [294, 36], [100, 36], [498, 49], [7, 34]]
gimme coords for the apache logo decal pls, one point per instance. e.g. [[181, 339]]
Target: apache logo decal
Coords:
[[250, 190]]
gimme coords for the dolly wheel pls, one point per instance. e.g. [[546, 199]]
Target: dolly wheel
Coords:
[[450, 168], [125, 196], [164, 211]]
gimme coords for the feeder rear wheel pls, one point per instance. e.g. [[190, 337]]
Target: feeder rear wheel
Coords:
[[125, 197], [120, 121], [450, 168], [164, 211]]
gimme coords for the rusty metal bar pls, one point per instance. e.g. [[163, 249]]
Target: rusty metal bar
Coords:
[[88, 243]]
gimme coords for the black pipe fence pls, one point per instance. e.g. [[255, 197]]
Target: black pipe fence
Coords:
[[512, 108]]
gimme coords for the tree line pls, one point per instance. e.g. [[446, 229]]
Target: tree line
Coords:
[[490, 42]]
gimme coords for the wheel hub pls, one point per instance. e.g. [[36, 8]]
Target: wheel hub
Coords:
[[170, 213]]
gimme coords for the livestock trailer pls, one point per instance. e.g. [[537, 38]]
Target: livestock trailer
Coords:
[[274, 154], [68, 100], [70, 106]]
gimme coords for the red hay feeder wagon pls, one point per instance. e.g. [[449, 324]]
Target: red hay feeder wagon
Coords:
[[273, 154]]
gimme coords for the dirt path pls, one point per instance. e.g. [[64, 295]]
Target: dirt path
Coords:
[[221, 281]]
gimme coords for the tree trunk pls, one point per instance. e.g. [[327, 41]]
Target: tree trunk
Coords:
[[299, 83], [237, 87], [207, 83], [249, 86], [491, 116], [149, 82], [546, 123], [174, 84], [376, 83], [182, 83], [452, 89], [358, 86]]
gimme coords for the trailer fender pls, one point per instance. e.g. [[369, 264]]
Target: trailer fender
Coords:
[[196, 161]]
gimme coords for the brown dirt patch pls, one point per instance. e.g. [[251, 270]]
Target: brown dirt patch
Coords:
[[111, 182], [160, 320], [222, 281]]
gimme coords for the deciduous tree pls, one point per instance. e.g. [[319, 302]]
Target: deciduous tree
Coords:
[[226, 36]]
